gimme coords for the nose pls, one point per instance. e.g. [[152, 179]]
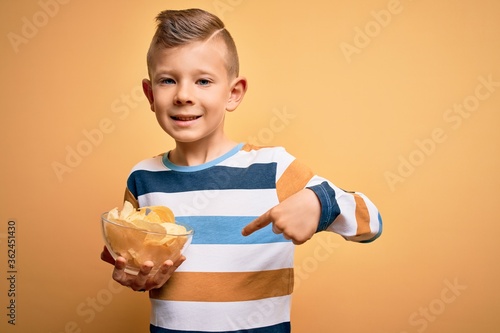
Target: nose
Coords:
[[183, 95]]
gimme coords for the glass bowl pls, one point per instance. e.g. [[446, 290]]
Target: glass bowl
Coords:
[[138, 245]]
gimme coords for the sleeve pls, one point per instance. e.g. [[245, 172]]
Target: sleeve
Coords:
[[349, 214]]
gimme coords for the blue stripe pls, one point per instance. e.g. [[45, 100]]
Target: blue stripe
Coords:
[[227, 230], [256, 176], [278, 328]]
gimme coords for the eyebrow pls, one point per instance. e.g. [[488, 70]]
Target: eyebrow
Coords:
[[175, 72]]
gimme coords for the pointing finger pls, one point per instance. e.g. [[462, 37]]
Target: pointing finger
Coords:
[[256, 224]]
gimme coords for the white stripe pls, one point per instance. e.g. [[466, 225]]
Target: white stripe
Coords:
[[345, 224], [316, 180], [214, 202], [374, 221], [237, 258], [150, 164], [220, 316], [245, 158]]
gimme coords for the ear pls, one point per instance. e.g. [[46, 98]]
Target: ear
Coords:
[[148, 91], [238, 89]]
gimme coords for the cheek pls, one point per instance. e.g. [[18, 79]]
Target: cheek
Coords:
[[217, 101], [160, 104], [163, 122]]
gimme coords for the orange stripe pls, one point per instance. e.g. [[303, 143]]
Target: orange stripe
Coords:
[[226, 287], [249, 147], [362, 215], [130, 198], [294, 179]]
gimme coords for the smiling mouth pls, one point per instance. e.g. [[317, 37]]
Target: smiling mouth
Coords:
[[185, 118]]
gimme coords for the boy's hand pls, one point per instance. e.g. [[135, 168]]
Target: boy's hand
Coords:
[[142, 281], [296, 217]]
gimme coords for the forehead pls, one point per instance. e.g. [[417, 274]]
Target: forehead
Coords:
[[199, 55]]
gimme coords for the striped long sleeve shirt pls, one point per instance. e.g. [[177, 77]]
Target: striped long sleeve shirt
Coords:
[[231, 283]]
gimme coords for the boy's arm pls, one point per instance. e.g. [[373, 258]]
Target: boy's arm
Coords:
[[318, 208], [300, 214]]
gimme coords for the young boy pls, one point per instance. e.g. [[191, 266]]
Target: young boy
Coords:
[[249, 205]]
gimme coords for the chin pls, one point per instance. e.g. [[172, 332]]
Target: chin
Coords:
[[187, 140]]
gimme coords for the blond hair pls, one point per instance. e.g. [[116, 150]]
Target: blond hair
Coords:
[[180, 27]]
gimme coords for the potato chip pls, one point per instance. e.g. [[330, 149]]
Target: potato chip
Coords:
[[165, 213], [131, 217], [153, 217], [149, 226], [173, 232], [113, 214], [126, 211], [174, 229]]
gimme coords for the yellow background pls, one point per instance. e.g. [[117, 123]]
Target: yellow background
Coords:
[[363, 92]]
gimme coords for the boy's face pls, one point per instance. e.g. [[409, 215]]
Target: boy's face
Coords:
[[190, 91]]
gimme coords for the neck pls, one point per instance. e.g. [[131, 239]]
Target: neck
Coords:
[[197, 153]]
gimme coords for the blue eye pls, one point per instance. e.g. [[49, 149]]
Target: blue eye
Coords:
[[167, 81], [203, 82]]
